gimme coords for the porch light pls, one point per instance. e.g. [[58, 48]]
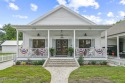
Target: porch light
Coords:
[[38, 34], [61, 34], [85, 34]]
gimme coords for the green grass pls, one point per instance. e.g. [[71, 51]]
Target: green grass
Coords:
[[5, 54], [25, 74], [116, 74]]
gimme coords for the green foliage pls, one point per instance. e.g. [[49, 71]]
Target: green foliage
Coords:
[[18, 63], [25, 74], [70, 50], [80, 60], [9, 33], [39, 62], [93, 62], [52, 50], [28, 62], [23, 63], [104, 63]]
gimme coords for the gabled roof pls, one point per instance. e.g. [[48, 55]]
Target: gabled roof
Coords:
[[11, 43], [117, 29], [56, 9]]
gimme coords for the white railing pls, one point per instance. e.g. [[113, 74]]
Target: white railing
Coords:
[[8, 57], [91, 52], [33, 52]]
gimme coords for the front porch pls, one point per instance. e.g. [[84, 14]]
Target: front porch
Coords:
[[84, 41]]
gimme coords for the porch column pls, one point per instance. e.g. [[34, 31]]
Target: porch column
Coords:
[[118, 47], [48, 41], [17, 54], [106, 43], [74, 43]]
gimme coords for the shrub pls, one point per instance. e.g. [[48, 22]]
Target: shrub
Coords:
[[28, 62], [80, 60], [93, 62], [18, 63], [23, 63], [40, 62], [34, 62], [104, 63]]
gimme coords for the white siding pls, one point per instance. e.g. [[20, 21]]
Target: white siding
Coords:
[[61, 16], [9, 49]]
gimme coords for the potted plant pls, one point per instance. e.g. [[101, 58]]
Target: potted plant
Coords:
[[70, 51], [52, 51]]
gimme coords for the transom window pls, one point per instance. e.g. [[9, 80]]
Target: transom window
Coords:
[[84, 43]]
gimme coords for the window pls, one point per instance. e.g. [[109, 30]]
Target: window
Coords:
[[38, 43], [84, 43]]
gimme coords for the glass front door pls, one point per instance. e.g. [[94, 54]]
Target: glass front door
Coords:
[[61, 46]]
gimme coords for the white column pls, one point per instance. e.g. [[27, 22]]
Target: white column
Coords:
[[106, 43], [74, 43], [17, 44], [118, 47], [48, 42]]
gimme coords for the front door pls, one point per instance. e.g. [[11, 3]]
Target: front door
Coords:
[[61, 46]]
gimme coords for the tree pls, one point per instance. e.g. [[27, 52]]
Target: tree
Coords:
[[10, 33]]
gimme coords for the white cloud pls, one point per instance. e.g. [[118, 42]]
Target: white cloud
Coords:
[[109, 21], [62, 2], [122, 2], [20, 16], [0, 26], [34, 7], [99, 20], [110, 14], [99, 13], [13, 6], [122, 13], [76, 4], [93, 18]]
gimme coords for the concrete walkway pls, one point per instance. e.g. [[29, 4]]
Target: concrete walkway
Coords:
[[5, 65], [60, 74]]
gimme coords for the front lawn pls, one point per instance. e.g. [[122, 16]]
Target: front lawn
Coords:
[[25, 74], [98, 74]]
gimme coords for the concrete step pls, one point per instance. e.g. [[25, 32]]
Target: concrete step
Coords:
[[61, 63]]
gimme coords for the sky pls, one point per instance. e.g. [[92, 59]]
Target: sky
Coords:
[[24, 11]]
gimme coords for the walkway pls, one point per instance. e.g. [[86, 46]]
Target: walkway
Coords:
[[5, 65], [114, 61], [60, 74]]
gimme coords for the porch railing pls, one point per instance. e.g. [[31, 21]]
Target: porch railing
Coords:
[[91, 52], [33, 52]]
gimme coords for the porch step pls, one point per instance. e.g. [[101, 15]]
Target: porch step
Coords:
[[61, 63]]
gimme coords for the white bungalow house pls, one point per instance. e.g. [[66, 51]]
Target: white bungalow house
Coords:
[[60, 29]]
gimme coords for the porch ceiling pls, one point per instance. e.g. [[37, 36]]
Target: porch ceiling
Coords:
[[61, 27]]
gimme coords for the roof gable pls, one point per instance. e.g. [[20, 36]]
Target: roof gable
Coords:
[[61, 16]]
